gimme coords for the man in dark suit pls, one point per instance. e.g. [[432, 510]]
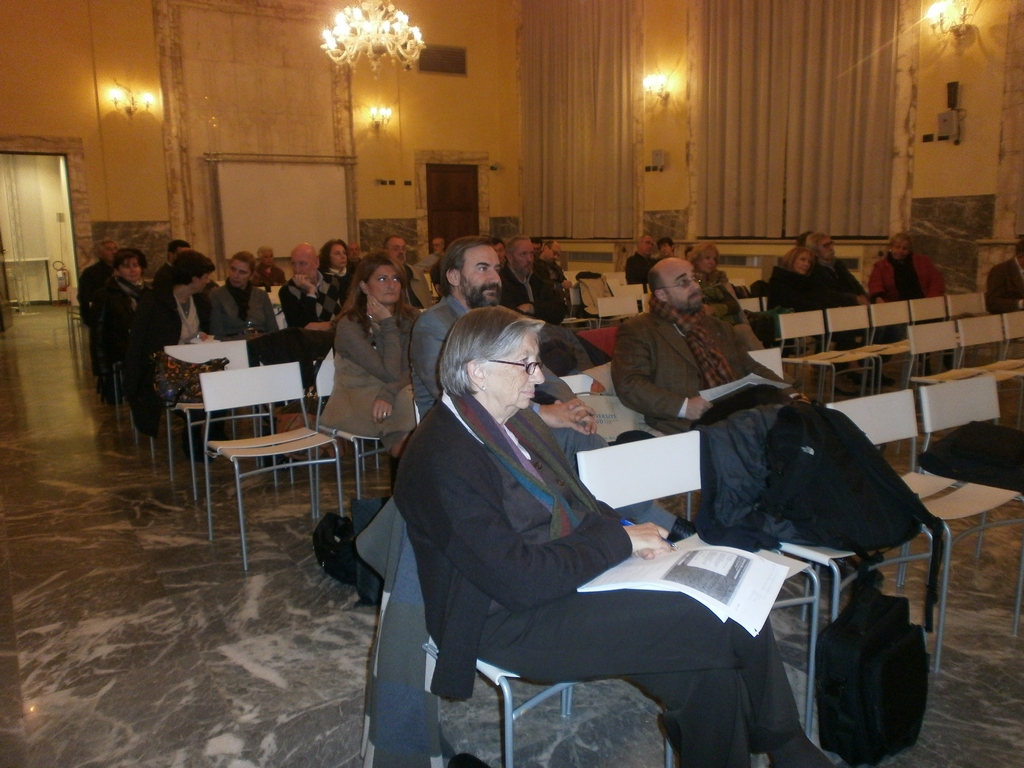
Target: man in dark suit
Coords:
[[664, 358], [1004, 289], [523, 290], [639, 264]]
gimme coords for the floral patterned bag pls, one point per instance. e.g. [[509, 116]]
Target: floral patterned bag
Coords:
[[176, 381]]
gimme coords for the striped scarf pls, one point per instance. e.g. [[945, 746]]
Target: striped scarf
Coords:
[[534, 436], [714, 368]]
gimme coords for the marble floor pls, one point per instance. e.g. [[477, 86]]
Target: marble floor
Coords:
[[128, 639]]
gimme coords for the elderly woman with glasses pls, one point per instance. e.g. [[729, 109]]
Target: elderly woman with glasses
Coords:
[[504, 532]]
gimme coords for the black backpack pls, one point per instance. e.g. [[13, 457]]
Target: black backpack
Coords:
[[827, 485], [872, 678]]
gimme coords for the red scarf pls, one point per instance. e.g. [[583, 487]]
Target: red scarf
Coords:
[[714, 368]]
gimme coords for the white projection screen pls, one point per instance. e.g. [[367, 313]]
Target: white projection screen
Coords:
[[280, 205]]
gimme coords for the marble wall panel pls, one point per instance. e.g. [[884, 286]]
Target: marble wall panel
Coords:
[[504, 226], [947, 229], [150, 237], [668, 223], [373, 231]]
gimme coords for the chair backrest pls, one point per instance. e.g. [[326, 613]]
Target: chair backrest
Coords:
[[635, 292], [646, 469], [241, 388], [965, 304], [889, 313], [1013, 326], [753, 304], [610, 306], [883, 418], [578, 383], [275, 295], [932, 337], [615, 278], [955, 403], [770, 358], [986, 329], [796, 325], [236, 352], [853, 318], [933, 308], [325, 376]]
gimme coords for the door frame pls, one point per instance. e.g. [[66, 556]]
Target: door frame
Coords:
[[422, 158]]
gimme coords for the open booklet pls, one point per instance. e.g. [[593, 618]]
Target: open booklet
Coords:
[[733, 584], [750, 380]]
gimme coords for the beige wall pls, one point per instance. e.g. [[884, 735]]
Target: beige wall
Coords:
[[475, 113], [56, 77], [59, 59], [666, 119], [942, 169]]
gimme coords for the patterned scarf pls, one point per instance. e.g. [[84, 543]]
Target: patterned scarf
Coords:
[[714, 368], [131, 290], [530, 431], [241, 297]]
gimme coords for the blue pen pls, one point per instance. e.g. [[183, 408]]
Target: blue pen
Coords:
[[626, 522]]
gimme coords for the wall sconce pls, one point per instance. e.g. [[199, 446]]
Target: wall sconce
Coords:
[[379, 117], [656, 85], [949, 17], [126, 101]]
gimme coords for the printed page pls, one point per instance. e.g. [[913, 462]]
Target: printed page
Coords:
[[750, 380]]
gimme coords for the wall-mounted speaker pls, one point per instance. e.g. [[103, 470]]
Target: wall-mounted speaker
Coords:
[[953, 95]]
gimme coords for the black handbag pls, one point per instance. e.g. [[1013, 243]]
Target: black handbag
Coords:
[[334, 548]]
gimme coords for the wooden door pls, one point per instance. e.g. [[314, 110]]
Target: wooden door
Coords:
[[452, 201]]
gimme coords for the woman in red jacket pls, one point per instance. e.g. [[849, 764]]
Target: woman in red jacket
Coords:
[[903, 275]]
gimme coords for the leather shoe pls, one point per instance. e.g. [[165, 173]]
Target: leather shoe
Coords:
[[467, 761]]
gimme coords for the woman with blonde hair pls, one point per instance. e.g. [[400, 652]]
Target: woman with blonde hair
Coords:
[[719, 295]]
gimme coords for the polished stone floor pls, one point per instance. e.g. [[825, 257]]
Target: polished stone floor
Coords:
[[128, 639]]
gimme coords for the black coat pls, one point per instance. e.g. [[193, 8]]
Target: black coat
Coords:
[[802, 294], [112, 320], [546, 306], [156, 325], [637, 267], [91, 280]]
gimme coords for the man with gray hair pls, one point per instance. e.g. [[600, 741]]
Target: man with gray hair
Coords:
[[523, 290], [640, 263], [469, 280], [830, 274], [267, 273]]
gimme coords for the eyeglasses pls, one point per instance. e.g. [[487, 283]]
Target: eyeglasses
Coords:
[[530, 368]]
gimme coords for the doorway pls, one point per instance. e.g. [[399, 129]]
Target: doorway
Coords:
[[37, 247], [452, 201]]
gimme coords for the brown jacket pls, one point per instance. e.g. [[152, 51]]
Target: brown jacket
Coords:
[[654, 370]]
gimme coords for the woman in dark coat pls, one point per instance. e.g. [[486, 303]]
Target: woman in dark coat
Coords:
[[173, 312], [113, 309], [791, 286]]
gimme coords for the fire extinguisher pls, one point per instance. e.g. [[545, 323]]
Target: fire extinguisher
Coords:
[[63, 281]]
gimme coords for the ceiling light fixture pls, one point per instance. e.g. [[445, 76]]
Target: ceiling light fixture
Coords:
[[375, 29]]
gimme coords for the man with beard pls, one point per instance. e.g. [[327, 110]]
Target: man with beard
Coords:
[[665, 357], [470, 279]]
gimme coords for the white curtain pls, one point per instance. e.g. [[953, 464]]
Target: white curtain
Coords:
[[579, 88], [793, 120]]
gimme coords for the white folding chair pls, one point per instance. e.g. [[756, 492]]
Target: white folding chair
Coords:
[[613, 308], [943, 407], [924, 310], [579, 383], [615, 278], [770, 358], [752, 304], [635, 292], [264, 385], [960, 305], [798, 327], [1013, 331], [237, 354], [324, 388], [926, 340], [887, 314], [631, 473]]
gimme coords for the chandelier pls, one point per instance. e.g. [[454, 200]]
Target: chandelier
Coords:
[[376, 29]]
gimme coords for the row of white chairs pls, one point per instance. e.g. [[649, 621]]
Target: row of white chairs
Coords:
[[951, 305]]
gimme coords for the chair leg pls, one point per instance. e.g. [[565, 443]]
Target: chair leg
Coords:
[[170, 446], [812, 651], [241, 515], [314, 486], [358, 458], [669, 757], [337, 472], [943, 593], [508, 743], [209, 499], [1020, 586], [192, 454]]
